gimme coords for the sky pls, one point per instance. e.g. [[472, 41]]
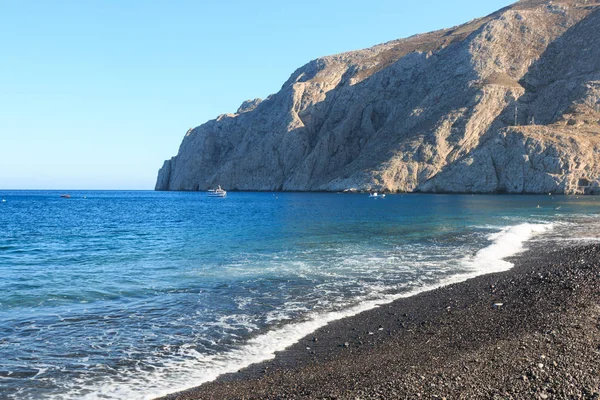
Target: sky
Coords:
[[96, 94]]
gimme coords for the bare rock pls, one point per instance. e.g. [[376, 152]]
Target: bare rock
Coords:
[[506, 103], [248, 105]]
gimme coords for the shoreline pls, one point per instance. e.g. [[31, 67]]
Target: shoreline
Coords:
[[263, 348], [415, 346]]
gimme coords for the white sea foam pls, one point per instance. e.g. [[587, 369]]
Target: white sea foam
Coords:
[[196, 368], [509, 241]]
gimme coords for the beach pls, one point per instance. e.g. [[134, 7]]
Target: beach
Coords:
[[331, 295], [530, 332]]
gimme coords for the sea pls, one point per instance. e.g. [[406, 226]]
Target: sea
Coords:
[[136, 294]]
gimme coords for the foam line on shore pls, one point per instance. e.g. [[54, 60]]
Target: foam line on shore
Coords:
[[505, 243]]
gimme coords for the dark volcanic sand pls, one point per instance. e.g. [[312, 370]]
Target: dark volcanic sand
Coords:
[[543, 342]]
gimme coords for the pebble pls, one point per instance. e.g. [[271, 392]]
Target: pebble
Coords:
[[409, 379]]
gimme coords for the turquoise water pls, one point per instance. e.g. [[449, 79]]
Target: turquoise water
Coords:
[[135, 294]]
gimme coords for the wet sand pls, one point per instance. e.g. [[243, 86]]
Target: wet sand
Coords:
[[529, 333]]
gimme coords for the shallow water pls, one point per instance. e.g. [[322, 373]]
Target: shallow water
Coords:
[[135, 294]]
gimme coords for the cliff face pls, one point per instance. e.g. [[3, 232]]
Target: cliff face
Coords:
[[507, 103]]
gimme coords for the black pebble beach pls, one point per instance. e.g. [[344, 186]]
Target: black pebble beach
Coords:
[[529, 333]]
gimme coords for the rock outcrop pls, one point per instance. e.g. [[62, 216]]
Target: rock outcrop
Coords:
[[506, 103]]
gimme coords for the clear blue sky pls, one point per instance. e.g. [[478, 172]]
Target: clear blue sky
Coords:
[[96, 94]]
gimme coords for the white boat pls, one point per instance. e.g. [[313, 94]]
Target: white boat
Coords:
[[217, 192], [376, 195]]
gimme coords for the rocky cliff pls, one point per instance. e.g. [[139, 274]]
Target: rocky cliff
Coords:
[[506, 103]]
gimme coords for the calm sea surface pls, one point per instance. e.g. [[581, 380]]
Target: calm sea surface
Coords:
[[136, 294]]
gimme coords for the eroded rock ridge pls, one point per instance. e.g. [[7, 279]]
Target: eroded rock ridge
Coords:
[[509, 103]]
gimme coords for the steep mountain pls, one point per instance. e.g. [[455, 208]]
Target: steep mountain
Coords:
[[506, 103]]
